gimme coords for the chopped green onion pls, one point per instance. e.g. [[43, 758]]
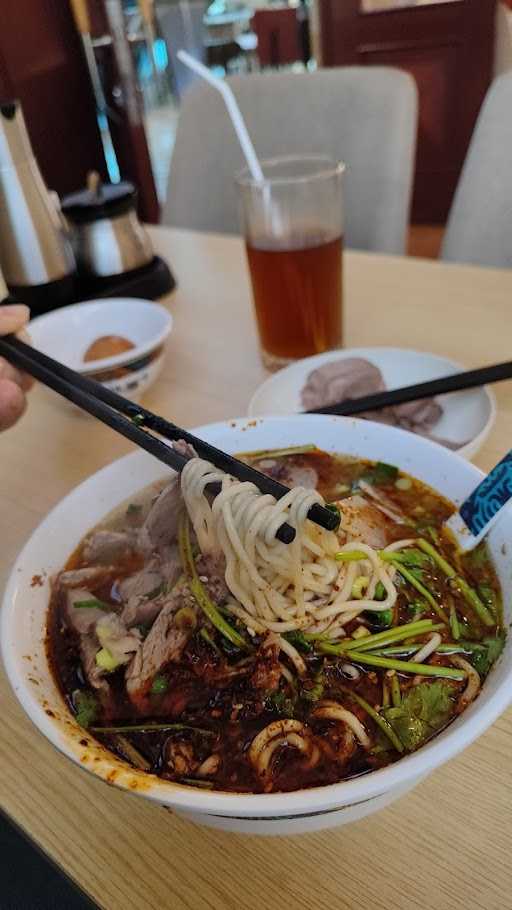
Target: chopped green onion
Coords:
[[138, 420], [470, 596], [133, 509], [106, 660], [350, 556], [199, 591], [403, 666], [378, 718], [380, 591], [150, 728], [160, 685], [454, 622], [360, 632], [92, 604], [380, 620], [359, 587], [396, 694], [86, 707], [403, 483]]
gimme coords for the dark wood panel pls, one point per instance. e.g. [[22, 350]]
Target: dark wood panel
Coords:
[[448, 49], [41, 63]]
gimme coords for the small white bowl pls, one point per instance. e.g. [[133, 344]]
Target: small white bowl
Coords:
[[66, 334], [25, 607], [467, 416]]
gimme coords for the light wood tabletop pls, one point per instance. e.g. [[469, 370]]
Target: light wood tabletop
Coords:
[[447, 844]]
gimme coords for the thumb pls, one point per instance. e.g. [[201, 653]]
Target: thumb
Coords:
[[13, 317]]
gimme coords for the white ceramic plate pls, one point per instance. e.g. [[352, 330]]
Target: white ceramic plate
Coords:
[[468, 416]]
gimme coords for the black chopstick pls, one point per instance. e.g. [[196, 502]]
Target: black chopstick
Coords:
[[128, 419], [469, 379]]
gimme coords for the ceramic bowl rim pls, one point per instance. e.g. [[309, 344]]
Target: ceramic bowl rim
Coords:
[[256, 806], [126, 357]]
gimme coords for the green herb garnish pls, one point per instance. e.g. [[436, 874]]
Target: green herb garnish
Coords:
[[281, 704], [92, 604], [378, 717], [316, 691], [483, 658], [404, 666], [381, 474], [160, 685], [299, 641], [86, 707], [468, 593], [423, 710], [332, 507], [151, 728], [200, 593]]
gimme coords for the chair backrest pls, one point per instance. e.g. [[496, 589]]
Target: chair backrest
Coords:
[[364, 116], [277, 31], [479, 228], [181, 25]]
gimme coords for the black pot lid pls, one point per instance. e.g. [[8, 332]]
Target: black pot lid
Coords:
[[107, 201]]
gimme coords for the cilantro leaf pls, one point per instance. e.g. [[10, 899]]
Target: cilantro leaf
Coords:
[[381, 474], [483, 658], [86, 707], [424, 710]]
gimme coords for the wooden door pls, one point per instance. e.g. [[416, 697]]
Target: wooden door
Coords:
[[448, 48]]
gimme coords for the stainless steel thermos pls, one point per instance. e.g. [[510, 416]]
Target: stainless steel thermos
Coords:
[[36, 255]]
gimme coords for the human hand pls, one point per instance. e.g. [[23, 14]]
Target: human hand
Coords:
[[13, 383]]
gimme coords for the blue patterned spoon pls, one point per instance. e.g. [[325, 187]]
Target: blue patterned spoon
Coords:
[[482, 508]]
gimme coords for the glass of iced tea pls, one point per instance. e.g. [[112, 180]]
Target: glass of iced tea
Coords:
[[293, 227]]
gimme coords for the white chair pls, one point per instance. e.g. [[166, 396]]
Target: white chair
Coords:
[[365, 116], [479, 228]]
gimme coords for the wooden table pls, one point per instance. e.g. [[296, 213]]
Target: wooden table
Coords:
[[446, 845]]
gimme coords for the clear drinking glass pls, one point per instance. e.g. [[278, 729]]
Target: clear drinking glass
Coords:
[[293, 227]]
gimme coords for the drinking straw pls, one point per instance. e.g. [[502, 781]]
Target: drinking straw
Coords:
[[233, 111]]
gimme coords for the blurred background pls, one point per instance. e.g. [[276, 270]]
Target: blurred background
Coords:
[[101, 87]]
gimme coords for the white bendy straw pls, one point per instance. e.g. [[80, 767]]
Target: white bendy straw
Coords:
[[233, 111]]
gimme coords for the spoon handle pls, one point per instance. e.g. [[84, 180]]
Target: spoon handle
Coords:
[[482, 507]]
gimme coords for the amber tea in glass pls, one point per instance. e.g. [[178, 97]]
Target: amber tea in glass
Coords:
[[293, 224]]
